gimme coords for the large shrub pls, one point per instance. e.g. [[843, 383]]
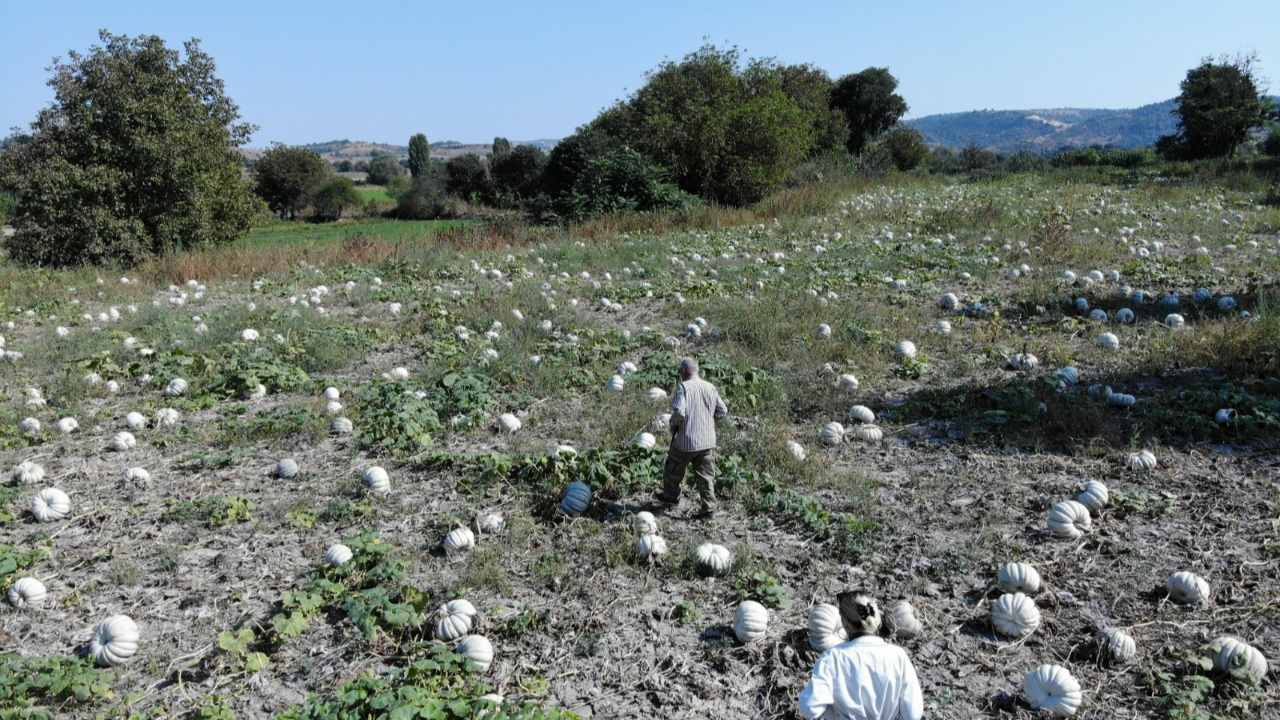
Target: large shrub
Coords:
[[287, 177], [1218, 106], [136, 156], [620, 180]]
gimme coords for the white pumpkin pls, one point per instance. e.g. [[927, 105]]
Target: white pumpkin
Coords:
[[1224, 416], [906, 349], [341, 426], [123, 441], [651, 547], [645, 441], [135, 421], [615, 384], [902, 619], [400, 374], [1124, 315], [862, 414], [454, 620], [1174, 320], [478, 650], [1109, 341], [826, 629], [1098, 315], [645, 523], [114, 641], [868, 433], [656, 395], [1116, 646], [1230, 653], [508, 422], [27, 473], [332, 393], [1226, 303], [67, 425], [337, 554], [137, 476], [1121, 400], [1025, 362], [1019, 577], [949, 301], [29, 426], [1015, 615], [576, 498], [750, 622], [1069, 375], [943, 327], [1052, 688], [490, 523], [27, 592], [847, 381], [176, 388], [1093, 495], [1141, 460], [795, 450], [50, 504], [832, 433], [713, 559], [287, 468], [1187, 588], [459, 539], [1069, 519], [824, 331], [377, 480], [333, 408], [166, 418]]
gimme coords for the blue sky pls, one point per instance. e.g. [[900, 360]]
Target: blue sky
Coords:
[[383, 70]]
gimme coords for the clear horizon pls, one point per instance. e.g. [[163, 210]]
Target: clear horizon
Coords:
[[384, 71]]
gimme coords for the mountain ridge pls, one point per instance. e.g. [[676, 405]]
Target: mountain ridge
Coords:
[[1045, 130]]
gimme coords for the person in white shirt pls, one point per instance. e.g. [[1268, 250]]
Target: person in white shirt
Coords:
[[695, 408], [865, 678]]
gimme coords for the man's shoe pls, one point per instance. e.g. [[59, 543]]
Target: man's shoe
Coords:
[[706, 513], [664, 500]]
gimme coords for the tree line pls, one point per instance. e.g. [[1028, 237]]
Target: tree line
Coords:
[[138, 153]]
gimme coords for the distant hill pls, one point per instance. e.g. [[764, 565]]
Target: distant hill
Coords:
[[1045, 131]]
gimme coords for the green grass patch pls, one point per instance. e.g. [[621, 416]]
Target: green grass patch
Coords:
[[282, 232]]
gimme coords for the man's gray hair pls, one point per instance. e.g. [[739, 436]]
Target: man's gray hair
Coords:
[[689, 365]]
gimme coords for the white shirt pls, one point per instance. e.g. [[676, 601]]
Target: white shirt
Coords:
[[863, 679], [695, 408]]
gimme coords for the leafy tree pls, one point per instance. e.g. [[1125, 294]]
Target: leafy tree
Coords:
[[342, 165], [419, 155], [136, 156], [1218, 106], [569, 158], [516, 175], [1271, 145], [287, 176], [361, 166], [906, 147], [975, 157], [426, 197], [382, 168], [810, 87], [869, 104], [501, 147], [7, 204], [334, 195], [723, 133], [620, 180], [467, 176]]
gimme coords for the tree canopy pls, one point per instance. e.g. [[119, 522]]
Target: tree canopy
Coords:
[[419, 155], [287, 177], [382, 168], [869, 104], [722, 131], [1219, 104], [136, 156], [335, 194]]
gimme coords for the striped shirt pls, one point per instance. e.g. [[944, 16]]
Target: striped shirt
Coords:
[[694, 410]]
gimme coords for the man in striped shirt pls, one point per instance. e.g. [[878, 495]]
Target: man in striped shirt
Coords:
[[695, 408]]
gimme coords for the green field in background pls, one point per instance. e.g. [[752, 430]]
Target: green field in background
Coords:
[[373, 192], [274, 232]]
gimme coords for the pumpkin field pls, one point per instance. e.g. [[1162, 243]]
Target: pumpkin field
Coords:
[[1038, 419]]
